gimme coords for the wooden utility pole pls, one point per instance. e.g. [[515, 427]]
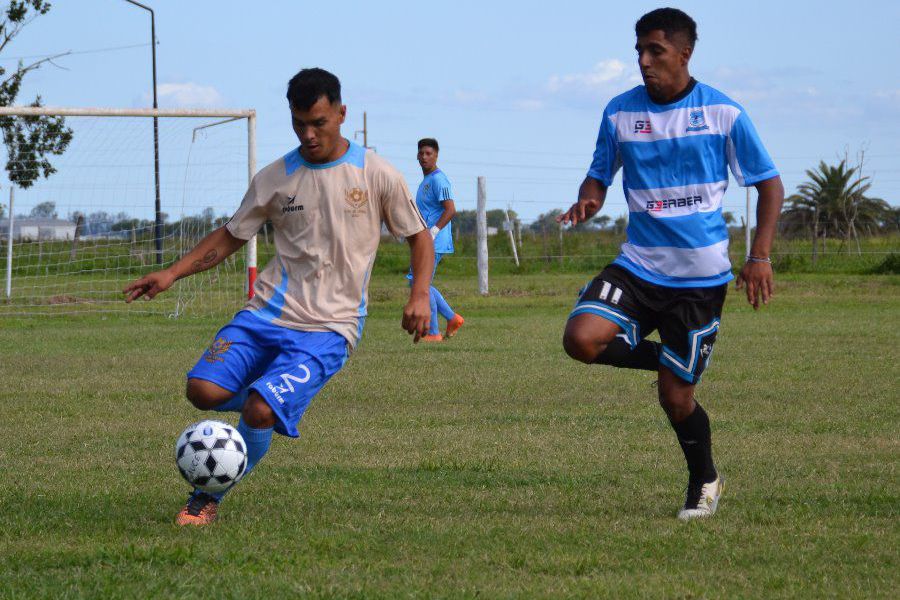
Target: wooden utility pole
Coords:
[[364, 131]]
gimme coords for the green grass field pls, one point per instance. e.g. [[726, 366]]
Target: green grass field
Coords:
[[489, 466]]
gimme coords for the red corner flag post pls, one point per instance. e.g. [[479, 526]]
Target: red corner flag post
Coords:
[[251, 266], [251, 171]]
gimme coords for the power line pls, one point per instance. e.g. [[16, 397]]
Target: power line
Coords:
[[73, 52], [493, 164]]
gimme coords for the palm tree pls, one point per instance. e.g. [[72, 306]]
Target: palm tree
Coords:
[[833, 198]]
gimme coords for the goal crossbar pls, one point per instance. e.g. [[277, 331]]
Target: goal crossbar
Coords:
[[226, 115], [35, 111]]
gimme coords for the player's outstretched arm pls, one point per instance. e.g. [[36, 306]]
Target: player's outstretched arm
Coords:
[[211, 250], [591, 196], [756, 274], [417, 312]]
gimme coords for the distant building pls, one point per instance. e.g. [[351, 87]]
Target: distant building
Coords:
[[34, 229]]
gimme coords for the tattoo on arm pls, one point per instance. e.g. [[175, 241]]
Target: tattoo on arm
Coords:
[[208, 258]]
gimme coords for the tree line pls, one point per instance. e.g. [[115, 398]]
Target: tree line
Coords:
[[833, 203]]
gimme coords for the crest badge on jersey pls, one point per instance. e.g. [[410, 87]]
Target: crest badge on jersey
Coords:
[[216, 350], [696, 121], [357, 201]]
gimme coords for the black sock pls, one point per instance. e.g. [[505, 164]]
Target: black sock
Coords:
[[619, 354], [695, 439]]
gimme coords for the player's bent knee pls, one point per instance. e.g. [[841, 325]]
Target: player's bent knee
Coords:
[[586, 336], [206, 395], [575, 349], [257, 413], [581, 345]]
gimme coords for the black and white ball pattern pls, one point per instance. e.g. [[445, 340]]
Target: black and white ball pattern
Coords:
[[211, 455]]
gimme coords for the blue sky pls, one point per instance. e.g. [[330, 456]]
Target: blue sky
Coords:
[[513, 91]]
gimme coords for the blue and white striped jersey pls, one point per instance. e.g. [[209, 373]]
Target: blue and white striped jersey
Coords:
[[430, 197], [675, 159]]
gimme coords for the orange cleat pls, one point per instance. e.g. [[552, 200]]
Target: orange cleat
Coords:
[[433, 338], [201, 509], [453, 325]]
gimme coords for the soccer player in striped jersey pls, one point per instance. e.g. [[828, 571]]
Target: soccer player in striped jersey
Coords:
[[674, 139], [434, 198], [327, 200]]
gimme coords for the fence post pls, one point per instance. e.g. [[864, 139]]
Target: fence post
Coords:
[[482, 238], [560, 244], [512, 238]]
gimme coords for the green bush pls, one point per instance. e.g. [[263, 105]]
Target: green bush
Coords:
[[889, 266]]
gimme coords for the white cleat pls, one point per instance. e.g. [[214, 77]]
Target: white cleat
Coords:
[[704, 504]]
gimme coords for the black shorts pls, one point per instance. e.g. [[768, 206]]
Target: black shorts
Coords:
[[687, 318]]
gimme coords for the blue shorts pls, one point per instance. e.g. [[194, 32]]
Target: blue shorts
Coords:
[[437, 259], [285, 366]]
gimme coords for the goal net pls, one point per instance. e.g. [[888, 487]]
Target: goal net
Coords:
[[71, 241]]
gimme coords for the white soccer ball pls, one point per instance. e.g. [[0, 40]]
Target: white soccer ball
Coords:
[[211, 455]]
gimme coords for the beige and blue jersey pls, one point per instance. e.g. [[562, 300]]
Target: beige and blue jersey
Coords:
[[327, 221]]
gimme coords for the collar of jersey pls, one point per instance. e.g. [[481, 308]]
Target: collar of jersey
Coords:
[[687, 91], [355, 155]]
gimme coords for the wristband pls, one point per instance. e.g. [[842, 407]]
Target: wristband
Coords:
[[756, 259], [434, 231]]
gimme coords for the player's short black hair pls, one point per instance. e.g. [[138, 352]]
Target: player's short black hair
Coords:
[[671, 21], [430, 142], [306, 87]]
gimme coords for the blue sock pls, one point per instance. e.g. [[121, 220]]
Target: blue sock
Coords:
[[433, 328], [235, 403], [258, 442], [442, 306]]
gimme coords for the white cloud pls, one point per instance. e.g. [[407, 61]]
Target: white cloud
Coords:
[[188, 95], [604, 74], [892, 95], [584, 90], [528, 104], [467, 97]]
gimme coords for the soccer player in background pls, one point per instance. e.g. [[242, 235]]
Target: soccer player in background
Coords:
[[674, 139], [327, 201], [435, 201]]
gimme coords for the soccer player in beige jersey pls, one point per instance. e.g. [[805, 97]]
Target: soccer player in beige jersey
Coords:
[[327, 201]]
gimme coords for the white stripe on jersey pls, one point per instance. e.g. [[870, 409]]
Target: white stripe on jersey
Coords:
[[718, 119], [680, 262], [616, 295], [604, 291], [710, 199], [733, 161]]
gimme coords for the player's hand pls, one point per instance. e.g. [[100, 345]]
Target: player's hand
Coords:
[[149, 285], [580, 212], [759, 281], [417, 317], [434, 231]]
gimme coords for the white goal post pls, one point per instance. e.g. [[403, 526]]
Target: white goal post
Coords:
[[95, 221]]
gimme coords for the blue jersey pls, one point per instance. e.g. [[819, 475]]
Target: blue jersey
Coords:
[[675, 160], [430, 197]]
